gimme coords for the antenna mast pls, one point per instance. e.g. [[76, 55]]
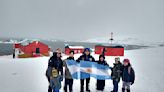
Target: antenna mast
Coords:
[[111, 38]]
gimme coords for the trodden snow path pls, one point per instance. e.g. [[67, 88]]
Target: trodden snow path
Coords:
[[28, 75]]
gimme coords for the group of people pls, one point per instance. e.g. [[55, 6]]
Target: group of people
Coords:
[[55, 74]]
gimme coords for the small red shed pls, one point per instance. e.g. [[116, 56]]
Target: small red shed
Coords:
[[33, 49], [76, 49], [109, 50]]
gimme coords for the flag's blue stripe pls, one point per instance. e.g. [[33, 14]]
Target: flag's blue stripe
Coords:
[[100, 77], [71, 62], [85, 75], [99, 66]]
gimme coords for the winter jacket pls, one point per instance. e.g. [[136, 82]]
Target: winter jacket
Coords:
[[67, 72], [102, 62], [128, 74], [55, 83], [117, 72], [86, 58], [57, 63]]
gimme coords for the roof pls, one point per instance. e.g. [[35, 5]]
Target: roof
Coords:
[[27, 42], [75, 47], [111, 46]]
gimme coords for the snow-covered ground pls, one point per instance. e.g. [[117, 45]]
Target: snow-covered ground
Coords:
[[28, 75]]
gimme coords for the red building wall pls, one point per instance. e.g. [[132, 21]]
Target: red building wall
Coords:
[[76, 51], [110, 50], [31, 48]]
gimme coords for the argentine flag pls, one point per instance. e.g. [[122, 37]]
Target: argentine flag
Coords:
[[85, 69]]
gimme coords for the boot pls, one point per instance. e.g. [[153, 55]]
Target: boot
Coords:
[[123, 89], [82, 89], [87, 89], [128, 90], [49, 89]]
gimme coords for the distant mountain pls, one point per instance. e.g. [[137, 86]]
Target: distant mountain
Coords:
[[22, 40], [161, 45], [124, 41]]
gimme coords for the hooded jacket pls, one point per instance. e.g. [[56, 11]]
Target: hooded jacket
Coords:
[[128, 74]]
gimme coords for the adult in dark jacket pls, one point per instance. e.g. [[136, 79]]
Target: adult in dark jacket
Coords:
[[116, 74], [128, 75], [55, 62], [86, 57], [68, 77], [101, 83]]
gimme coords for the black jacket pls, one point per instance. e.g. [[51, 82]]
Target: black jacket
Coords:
[[57, 63], [86, 58], [102, 62]]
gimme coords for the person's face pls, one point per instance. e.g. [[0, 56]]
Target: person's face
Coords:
[[125, 63], [58, 54], [116, 60], [101, 59], [71, 55], [87, 52]]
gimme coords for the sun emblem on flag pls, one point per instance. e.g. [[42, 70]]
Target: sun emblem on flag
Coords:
[[89, 70]]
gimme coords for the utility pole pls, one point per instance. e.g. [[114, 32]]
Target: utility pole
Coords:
[[111, 38]]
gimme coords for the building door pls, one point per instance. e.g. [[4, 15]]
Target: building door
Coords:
[[37, 50]]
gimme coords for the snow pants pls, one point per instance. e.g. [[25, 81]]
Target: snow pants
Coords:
[[100, 85], [68, 82], [126, 85], [82, 84]]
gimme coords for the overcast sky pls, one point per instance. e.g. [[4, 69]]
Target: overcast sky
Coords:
[[81, 19]]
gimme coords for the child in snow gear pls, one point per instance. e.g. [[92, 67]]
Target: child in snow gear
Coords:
[[55, 80], [128, 75], [54, 72], [68, 77], [86, 57], [101, 83], [116, 74]]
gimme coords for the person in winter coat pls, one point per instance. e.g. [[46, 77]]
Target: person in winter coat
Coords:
[[54, 72], [116, 74], [86, 57], [68, 77], [101, 83], [128, 75]]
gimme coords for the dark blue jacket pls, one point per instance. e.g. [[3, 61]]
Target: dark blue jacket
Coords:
[[128, 74]]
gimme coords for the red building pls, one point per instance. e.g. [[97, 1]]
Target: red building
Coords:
[[76, 49], [32, 49], [109, 50]]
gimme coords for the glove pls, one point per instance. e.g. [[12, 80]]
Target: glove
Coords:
[[132, 83], [78, 61], [61, 78]]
